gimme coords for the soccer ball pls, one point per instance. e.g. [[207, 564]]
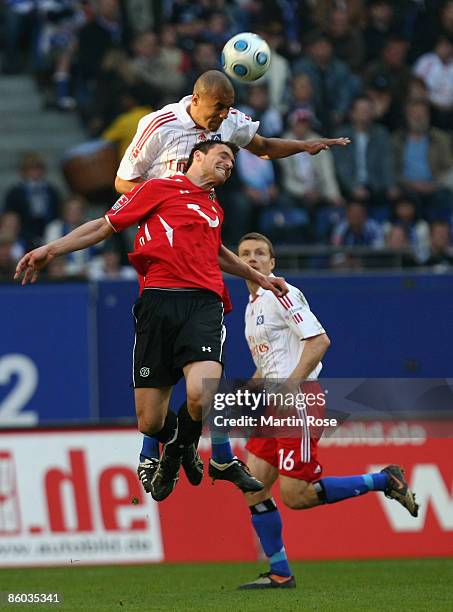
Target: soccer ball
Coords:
[[246, 57]]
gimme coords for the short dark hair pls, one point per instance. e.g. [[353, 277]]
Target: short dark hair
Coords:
[[258, 236], [205, 145]]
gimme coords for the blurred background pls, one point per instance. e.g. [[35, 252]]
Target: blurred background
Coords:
[[365, 231]]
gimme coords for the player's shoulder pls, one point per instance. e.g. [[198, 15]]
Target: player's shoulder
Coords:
[[237, 118], [294, 298], [160, 117]]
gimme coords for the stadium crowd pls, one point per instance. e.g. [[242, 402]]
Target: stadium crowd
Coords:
[[377, 71]]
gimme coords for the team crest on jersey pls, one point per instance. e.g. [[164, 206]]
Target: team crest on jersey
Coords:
[[260, 320], [216, 137], [212, 195], [120, 202], [202, 137]]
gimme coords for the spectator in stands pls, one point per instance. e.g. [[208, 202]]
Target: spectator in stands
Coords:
[[357, 229], [279, 73], [151, 66], [354, 10], [204, 57], [218, 29], [258, 178], [435, 18], [33, 198], [10, 226], [347, 41], [441, 252], [108, 266], [423, 160], [122, 129], [105, 32], [386, 110], [7, 260], [21, 29], [365, 169], [73, 214], [172, 55], [416, 229], [392, 67], [380, 26], [333, 82], [309, 181], [436, 69], [397, 240], [300, 96], [258, 107]]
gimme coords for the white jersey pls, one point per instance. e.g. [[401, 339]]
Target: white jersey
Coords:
[[275, 329], [164, 139]]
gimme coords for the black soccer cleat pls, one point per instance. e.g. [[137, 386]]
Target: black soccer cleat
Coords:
[[270, 581], [146, 470], [166, 477], [398, 489], [236, 472], [192, 465]]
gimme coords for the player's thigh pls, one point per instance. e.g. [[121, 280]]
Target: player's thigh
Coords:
[[151, 406], [266, 473], [202, 380], [156, 326]]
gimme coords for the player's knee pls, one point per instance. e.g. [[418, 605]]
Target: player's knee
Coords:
[[150, 425], [195, 406], [296, 500]]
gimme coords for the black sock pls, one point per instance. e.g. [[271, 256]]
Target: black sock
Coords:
[[189, 432], [169, 428]]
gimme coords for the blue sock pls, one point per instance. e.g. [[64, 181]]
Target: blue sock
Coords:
[[334, 489], [267, 522], [221, 448], [150, 448]]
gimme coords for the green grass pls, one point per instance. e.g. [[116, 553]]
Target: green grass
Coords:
[[403, 585]]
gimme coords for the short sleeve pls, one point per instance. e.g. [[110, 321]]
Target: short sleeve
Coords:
[[296, 312], [143, 150], [131, 207], [243, 128]]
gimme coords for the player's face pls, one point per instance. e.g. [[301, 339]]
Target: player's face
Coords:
[[256, 254], [208, 111], [218, 163]]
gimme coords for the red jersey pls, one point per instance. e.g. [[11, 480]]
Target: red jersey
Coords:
[[179, 233]]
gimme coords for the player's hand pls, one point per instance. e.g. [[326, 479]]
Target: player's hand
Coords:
[[32, 263], [315, 146], [276, 284]]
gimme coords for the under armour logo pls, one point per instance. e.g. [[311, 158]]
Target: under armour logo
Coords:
[[206, 348], [144, 372]]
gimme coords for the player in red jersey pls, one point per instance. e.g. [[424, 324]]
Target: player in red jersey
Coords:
[[179, 316], [160, 147]]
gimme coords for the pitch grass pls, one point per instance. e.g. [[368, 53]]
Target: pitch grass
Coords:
[[407, 585]]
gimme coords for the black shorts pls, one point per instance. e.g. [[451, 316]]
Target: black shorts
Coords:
[[174, 328]]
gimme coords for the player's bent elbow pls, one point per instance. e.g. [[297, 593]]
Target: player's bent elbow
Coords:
[[326, 341]]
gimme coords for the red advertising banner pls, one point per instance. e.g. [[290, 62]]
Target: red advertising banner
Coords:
[[73, 496]]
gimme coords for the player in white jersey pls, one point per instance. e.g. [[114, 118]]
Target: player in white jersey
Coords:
[[160, 148], [164, 138], [287, 343]]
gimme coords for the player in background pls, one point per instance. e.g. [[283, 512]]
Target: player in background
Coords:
[[160, 148], [179, 316], [287, 342]]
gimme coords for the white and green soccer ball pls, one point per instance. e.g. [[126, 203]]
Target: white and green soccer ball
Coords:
[[246, 57]]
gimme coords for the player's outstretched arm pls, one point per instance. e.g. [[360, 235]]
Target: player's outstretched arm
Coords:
[[275, 148], [86, 235], [231, 264]]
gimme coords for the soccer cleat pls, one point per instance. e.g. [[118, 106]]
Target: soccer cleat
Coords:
[[398, 489], [270, 581], [146, 471], [192, 465], [166, 477], [236, 472]]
